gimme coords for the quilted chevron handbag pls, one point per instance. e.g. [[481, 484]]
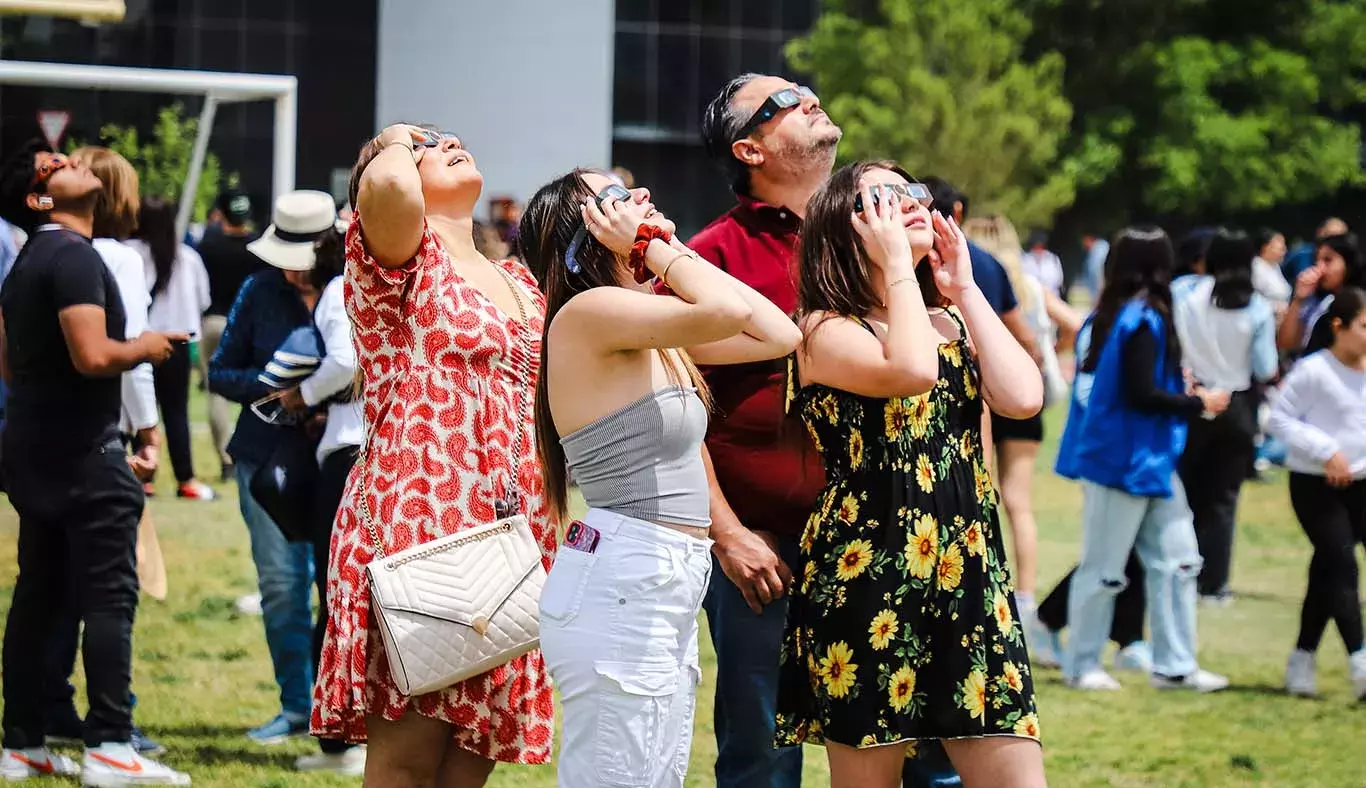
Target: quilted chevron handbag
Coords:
[[461, 605]]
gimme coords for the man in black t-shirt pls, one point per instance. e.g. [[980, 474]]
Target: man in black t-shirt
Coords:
[[68, 474], [224, 249]]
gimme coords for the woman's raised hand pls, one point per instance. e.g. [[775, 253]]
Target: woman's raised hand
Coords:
[[616, 223], [953, 272], [883, 229]]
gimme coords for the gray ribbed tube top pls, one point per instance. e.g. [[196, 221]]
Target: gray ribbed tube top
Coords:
[[645, 460]]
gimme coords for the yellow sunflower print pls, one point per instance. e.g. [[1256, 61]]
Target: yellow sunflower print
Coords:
[[922, 548], [1001, 610], [883, 629], [1028, 725], [973, 538], [969, 387], [1012, 677], [856, 558], [896, 416], [837, 670], [856, 450], [922, 410], [901, 687], [950, 569], [849, 509], [953, 354], [975, 694], [924, 473]]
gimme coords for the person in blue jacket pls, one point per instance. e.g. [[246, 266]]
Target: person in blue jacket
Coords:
[[1123, 445]]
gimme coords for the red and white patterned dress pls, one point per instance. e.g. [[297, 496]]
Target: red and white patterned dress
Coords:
[[441, 382]]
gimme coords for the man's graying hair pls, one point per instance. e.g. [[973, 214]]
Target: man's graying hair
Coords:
[[721, 124]]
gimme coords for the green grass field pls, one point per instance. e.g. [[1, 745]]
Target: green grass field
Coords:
[[203, 676]]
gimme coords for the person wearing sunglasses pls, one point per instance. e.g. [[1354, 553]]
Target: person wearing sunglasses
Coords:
[[622, 406], [776, 146], [446, 349], [62, 335], [902, 627]]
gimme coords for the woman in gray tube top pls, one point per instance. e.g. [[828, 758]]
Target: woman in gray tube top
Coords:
[[621, 405]]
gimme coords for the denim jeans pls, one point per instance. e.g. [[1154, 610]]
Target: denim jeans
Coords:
[[619, 634], [284, 575], [747, 658], [1160, 529]]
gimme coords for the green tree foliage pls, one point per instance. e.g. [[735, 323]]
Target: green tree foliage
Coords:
[[163, 161], [1208, 107], [941, 87]]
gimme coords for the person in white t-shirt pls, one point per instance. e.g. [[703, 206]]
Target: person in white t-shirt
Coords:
[[1042, 264], [1321, 416], [179, 285]]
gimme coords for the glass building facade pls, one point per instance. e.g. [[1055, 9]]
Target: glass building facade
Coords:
[[671, 58], [329, 47]]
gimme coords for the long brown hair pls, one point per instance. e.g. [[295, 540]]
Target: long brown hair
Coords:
[[834, 272], [548, 225]]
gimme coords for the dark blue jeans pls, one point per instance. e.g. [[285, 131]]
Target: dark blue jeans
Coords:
[[747, 653]]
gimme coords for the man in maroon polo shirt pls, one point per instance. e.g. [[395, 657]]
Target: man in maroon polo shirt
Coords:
[[777, 147]]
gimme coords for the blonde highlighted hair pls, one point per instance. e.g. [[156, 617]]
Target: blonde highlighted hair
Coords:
[[998, 236], [116, 211]]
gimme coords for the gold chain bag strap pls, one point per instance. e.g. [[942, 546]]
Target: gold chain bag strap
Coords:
[[461, 605]]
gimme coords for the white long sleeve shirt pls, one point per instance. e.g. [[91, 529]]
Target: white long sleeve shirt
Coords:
[[179, 307], [1322, 411], [1225, 349], [139, 391], [345, 420]]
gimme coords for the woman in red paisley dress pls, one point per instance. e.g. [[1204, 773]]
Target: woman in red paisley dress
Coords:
[[437, 332]]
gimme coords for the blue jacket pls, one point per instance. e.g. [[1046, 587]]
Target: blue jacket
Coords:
[[1107, 441], [267, 310]]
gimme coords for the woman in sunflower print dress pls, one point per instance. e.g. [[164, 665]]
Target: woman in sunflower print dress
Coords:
[[903, 624]]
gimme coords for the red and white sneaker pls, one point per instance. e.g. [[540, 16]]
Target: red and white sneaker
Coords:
[[196, 490], [17, 765], [118, 765]]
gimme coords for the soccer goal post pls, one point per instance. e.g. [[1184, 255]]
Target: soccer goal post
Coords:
[[216, 88]]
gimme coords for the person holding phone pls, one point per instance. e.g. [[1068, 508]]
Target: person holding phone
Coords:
[[62, 351], [902, 626], [622, 406]]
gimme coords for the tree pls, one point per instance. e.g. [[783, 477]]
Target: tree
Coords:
[[941, 87], [164, 161], [1205, 108]]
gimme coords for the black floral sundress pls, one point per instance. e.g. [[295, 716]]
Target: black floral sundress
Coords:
[[903, 625]]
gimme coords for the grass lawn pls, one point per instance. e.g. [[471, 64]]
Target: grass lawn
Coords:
[[202, 674]]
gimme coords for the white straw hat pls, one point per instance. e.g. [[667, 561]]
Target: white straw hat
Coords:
[[299, 219]]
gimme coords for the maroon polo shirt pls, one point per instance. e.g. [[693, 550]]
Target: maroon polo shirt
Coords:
[[765, 464]]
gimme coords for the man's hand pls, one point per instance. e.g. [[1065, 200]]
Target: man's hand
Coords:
[[750, 559], [147, 459], [293, 401]]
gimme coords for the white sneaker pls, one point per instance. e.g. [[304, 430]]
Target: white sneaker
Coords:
[[17, 765], [1200, 681], [1136, 657], [1357, 668], [350, 763], [1095, 681], [118, 765], [1301, 675], [249, 605]]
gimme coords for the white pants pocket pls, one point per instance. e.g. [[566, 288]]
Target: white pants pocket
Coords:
[[635, 706]]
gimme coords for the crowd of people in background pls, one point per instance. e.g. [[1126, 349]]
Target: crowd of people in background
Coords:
[[797, 422]]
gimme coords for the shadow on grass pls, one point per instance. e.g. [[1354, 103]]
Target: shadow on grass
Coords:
[[211, 755], [202, 732]]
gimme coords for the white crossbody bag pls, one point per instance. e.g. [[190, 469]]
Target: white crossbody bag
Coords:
[[461, 605]]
